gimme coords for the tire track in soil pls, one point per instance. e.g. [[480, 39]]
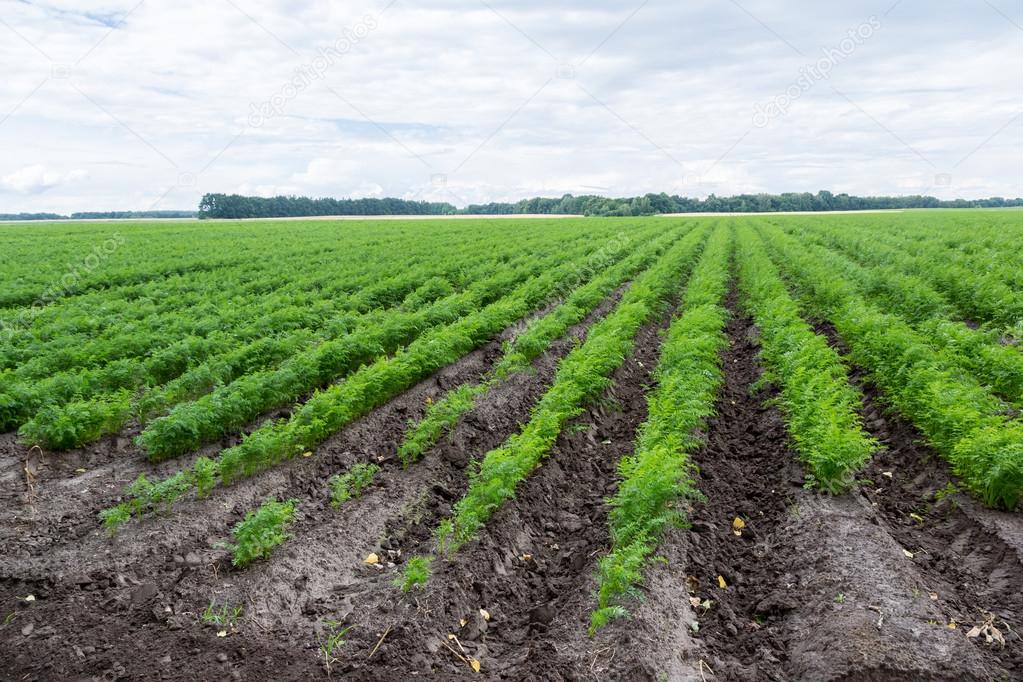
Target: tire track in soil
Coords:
[[114, 608], [533, 567], [971, 554], [817, 589]]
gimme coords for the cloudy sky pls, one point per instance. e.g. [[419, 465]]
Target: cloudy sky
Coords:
[[110, 104]]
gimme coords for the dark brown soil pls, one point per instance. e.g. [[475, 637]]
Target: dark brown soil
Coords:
[[855, 587], [119, 608], [532, 570]]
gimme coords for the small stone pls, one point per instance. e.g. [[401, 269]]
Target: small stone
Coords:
[[27, 630], [144, 593], [222, 657], [193, 559], [166, 659]]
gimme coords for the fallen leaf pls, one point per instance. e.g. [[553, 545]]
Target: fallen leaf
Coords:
[[695, 601], [372, 559], [80, 471], [721, 582], [888, 474], [526, 557], [462, 622], [707, 603], [934, 596], [692, 583], [737, 525], [974, 632], [30, 597], [475, 665], [485, 614], [952, 624], [917, 517], [307, 454], [908, 554], [429, 400], [451, 636], [695, 626], [222, 633]]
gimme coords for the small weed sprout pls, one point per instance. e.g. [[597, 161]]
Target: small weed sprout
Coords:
[[335, 638], [224, 616]]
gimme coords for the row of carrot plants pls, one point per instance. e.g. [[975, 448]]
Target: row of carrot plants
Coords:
[[190, 425], [977, 351], [581, 376], [977, 295], [334, 408], [443, 414], [820, 406], [656, 480], [961, 419]]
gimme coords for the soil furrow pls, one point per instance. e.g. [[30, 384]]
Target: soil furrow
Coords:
[[813, 587], [149, 584], [532, 570]]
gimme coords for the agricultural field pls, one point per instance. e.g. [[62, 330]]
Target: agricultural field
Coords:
[[777, 447]]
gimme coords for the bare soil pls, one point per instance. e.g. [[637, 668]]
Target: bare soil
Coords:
[[865, 586]]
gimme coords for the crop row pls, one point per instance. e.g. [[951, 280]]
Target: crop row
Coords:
[[961, 419], [820, 407], [656, 480], [977, 351], [328, 411], [230, 407], [444, 413], [581, 376]]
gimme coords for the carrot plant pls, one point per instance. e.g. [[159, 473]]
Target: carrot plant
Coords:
[[350, 485], [582, 375], [820, 406], [961, 419], [655, 481], [261, 532]]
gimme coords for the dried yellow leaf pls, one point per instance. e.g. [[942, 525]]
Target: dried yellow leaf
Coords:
[[917, 517], [721, 582], [737, 525], [462, 622], [372, 559], [222, 633], [307, 453], [909, 555], [475, 665], [485, 614]]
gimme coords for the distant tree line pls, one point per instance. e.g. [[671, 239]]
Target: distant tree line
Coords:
[[236, 206], [743, 203], [98, 215]]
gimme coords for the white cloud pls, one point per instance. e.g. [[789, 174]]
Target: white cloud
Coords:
[[548, 97], [36, 179]]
